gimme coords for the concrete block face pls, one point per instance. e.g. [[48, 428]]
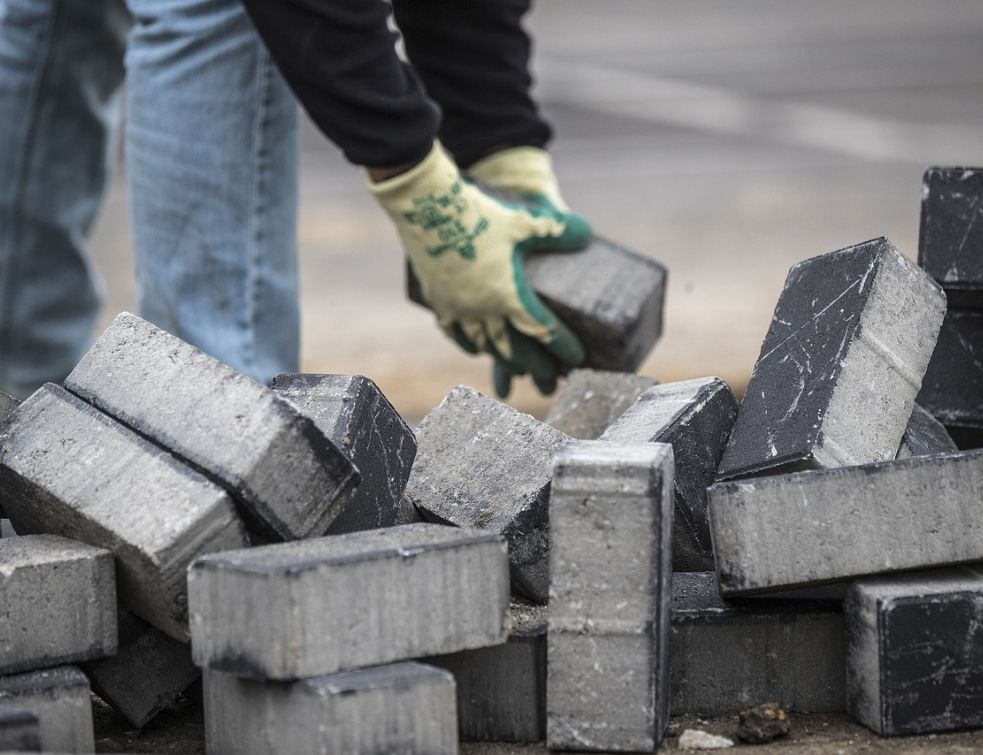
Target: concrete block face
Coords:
[[950, 242], [728, 656], [924, 436], [590, 401], [837, 375], [482, 464], [7, 405], [265, 612], [147, 673], [353, 413], [608, 640], [68, 469], [58, 601], [401, 709], [953, 386], [291, 480], [694, 417], [914, 665], [611, 297], [19, 730], [835, 524], [61, 701], [501, 690]]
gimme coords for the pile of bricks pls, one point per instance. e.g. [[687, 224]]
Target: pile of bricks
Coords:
[[341, 583]]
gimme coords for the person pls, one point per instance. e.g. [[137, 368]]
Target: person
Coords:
[[461, 107], [211, 147]]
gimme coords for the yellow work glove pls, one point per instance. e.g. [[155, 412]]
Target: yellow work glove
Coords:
[[466, 249]]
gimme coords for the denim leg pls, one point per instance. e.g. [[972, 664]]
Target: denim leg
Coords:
[[212, 162], [61, 66]]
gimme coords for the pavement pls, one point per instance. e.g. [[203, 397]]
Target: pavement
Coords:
[[728, 140]]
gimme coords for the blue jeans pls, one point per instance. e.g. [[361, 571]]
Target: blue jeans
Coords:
[[211, 144]]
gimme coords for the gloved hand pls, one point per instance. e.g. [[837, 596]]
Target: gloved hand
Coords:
[[466, 250]]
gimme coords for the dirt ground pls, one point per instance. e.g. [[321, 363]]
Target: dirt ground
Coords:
[[179, 732]]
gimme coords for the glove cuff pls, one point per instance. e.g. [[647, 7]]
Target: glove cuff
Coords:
[[525, 171], [435, 174]]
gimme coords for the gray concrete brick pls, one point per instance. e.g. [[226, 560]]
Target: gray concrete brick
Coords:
[[591, 400], [61, 700], [147, 673], [402, 709], [924, 436], [482, 464], [354, 414], [67, 469], [501, 690], [728, 656], [59, 602], [611, 297], [7, 405], [835, 524], [608, 642], [316, 607], [291, 480], [953, 386], [845, 354], [694, 417], [950, 243], [19, 730], [914, 663]]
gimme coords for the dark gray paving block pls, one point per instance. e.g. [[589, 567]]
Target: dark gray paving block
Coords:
[[924, 436], [611, 297], [61, 701], [837, 375], [591, 400], [354, 414], [914, 657], [401, 708], [68, 469], [7, 404], [694, 417], [966, 438], [835, 524], [953, 386], [501, 690], [19, 730], [291, 480], [147, 673], [58, 602], [729, 655], [482, 464], [608, 641], [319, 606], [950, 243]]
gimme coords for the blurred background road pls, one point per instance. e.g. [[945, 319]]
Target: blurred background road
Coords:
[[727, 140]]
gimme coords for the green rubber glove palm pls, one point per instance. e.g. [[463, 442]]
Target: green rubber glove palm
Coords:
[[466, 249]]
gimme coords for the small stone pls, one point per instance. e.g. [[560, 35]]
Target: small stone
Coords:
[[407, 513], [697, 739], [763, 724], [924, 436], [591, 400]]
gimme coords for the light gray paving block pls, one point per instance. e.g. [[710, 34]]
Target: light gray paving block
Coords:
[[608, 642], [7, 405], [57, 602], [924, 436], [727, 656], [67, 469], [401, 709], [501, 690], [61, 700], [354, 414], [694, 417], [291, 480], [591, 400], [836, 379], [19, 730], [315, 607], [835, 524], [146, 675], [482, 464], [915, 663]]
